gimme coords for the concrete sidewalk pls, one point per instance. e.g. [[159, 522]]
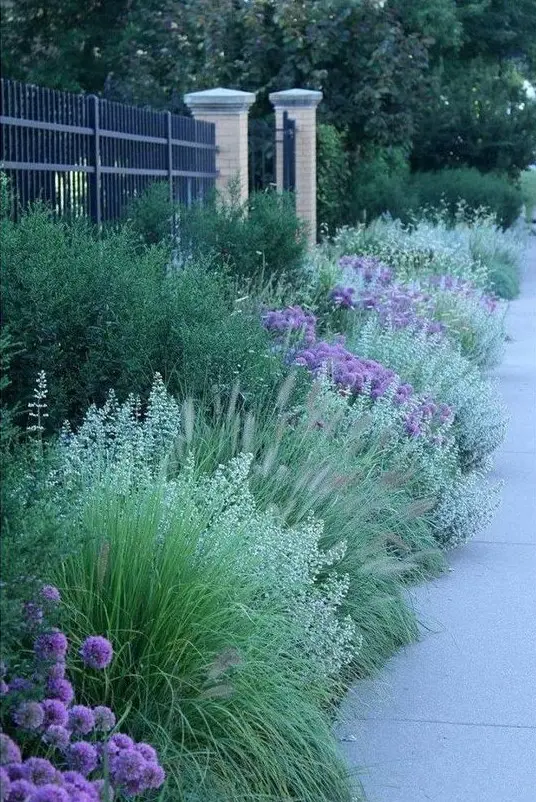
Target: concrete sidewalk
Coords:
[[453, 718]]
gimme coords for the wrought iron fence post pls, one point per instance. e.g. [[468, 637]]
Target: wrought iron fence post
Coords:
[[170, 157], [95, 176]]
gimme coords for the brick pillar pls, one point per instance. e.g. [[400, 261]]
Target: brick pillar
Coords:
[[301, 107], [228, 110]]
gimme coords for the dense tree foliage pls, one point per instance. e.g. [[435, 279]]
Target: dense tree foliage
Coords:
[[442, 76]]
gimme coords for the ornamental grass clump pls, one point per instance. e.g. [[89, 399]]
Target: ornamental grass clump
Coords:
[[224, 643]]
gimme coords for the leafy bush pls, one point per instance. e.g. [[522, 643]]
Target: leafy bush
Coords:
[[332, 178], [379, 183], [151, 214], [528, 188], [259, 239], [101, 313], [475, 190]]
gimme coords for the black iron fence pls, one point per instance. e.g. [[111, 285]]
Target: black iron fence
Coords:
[[85, 156], [262, 141]]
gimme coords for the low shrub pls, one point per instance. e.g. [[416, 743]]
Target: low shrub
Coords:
[[473, 190], [379, 184], [101, 313], [150, 215], [262, 239]]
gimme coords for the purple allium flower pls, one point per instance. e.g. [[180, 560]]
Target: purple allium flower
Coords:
[[50, 793], [127, 767], [21, 790], [5, 785], [104, 718], [97, 652], [33, 614], [51, 594], [15, 771], [57, 736], [57, 670], [29, 715], [81, 719], [55, 713], [292, 320], [20, 685], [79, 788], [153, 775], [118, 742], [60, 689], [39, 771], [343, 297], [83, 757], [51, 646], [147, 751]]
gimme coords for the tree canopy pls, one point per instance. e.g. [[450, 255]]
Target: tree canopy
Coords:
[[441, 78]]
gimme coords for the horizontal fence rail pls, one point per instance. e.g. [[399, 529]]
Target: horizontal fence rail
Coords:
[[85, 156]]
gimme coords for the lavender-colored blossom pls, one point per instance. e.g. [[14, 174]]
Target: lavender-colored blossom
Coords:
[[343, 297], [21, 790], [57, 670], [33, 614], [29, 716], [39, 771], [97, 652], [82, 757], [79, 787], [147, 751], [20, 685], [57, 736], [60, 689], [153, 775], [292, 320], [56, 713], [81, 719], [5, 785], [51, 646], [369, 268], [118, 742], [15, 771], [51, 594], [127, 766], [50, 793], [104, 718]]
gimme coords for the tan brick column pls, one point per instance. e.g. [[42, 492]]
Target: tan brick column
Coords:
[[301, 107], [228, 110]]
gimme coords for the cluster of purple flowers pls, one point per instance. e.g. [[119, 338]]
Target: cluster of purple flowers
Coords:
[[401, 306], [63, 726], [349, 372], [425, 413], [370, 269], [293, 320]]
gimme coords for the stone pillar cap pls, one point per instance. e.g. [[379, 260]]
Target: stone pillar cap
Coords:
[[296, 97], [219, 101]]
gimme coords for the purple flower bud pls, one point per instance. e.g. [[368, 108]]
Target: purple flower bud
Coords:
[[33, 614], [153, 775], [104, 718], [118, 742], [21, 790], [5, 785], [51, 646], [57, 670], [55, 713], [147, 751], [97, 652], [82, 757], [57, 736], [15, 771], [50, 793], [60, 689], [81, 719], [51, 594], [29, 716], [127, 767], [39, 771]]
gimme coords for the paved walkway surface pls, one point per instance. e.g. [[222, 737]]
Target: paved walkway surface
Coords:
[[453, 717]]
